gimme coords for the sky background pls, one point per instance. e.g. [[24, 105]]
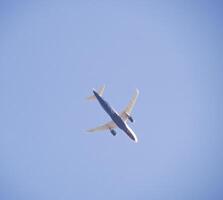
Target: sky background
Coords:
[[52, 53]]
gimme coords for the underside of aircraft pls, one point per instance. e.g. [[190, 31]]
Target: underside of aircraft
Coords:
[[118, 119]]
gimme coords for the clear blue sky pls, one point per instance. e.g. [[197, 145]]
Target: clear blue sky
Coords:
[[52, 53]]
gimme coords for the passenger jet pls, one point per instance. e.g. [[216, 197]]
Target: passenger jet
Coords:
[[118, 119]]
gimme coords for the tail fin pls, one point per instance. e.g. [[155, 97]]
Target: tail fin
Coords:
[[100, 92]]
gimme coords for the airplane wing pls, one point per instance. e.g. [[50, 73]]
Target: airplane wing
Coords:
[[127, 112], [107, 126]]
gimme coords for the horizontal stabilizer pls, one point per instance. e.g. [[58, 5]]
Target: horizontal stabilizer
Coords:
[[100, 93]]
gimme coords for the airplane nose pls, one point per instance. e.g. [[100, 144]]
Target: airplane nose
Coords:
[[132, 135], [135, 140]]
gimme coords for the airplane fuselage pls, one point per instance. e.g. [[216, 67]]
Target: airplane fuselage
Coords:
[[115, 116]]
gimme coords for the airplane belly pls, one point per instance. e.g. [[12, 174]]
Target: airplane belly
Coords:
[[118, 120], [122, 125]]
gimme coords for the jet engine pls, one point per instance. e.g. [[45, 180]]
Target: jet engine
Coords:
[[113, 132], [130, 119]]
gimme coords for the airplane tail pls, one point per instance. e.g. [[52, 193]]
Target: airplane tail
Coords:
[[100, 93]]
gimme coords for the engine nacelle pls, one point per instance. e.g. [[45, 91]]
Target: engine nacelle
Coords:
[[113, 132], [130, 119]]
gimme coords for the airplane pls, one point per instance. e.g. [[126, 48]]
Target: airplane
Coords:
[[118, 119]]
